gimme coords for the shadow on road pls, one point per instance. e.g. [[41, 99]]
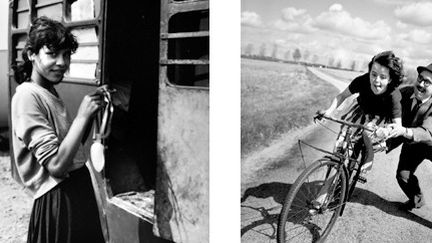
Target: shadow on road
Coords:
[[267, 215], [275, 190], [267, 218], [366, 197]]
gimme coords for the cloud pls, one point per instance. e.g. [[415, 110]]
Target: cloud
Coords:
[[341, 21], [294, 20], [401, 25], [251, 19], [290, 14], [419, 53], [417, 36], [419, 14], [391, 2], [336, 7], [303, 28]]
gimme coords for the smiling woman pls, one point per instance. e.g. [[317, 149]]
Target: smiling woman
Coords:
[[378, 101], [51, 64], [47, 142]]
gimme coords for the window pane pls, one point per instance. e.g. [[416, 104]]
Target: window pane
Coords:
[[188, 48], [189, 22], [19, 41], [23, 19], [22, 4], [83, 9], [82, 70], [189, 75], [86, 53], [85, 35], [53, 11], [189, 40], [84, 60]]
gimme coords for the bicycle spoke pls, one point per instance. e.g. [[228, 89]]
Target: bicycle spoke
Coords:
[[318, 195], [338, 205], [307, 194], [300, 206], [305, 213], [301, 220]]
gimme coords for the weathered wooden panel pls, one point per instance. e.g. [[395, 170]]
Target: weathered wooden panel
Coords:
[[182, 192], [4, 99]]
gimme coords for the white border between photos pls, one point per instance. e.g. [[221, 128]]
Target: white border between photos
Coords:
[[224, 121]]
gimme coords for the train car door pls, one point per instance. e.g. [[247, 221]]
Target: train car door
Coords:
[[182, 193]]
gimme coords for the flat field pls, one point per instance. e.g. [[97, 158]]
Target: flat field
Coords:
[[276, 98], [342, 75]]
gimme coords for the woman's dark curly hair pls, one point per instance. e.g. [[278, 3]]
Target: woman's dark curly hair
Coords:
[[389, 60], [44, 32]]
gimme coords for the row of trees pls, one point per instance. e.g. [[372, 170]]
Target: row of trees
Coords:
[[297, 55]]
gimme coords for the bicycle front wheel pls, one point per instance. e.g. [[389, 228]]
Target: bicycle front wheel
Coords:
[[313, 203]]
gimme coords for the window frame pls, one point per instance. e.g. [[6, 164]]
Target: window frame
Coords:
[[169, 8]]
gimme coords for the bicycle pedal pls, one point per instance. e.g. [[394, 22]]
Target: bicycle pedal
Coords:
[[362, 179]]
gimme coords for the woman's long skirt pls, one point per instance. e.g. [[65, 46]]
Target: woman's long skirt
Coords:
[[67, 214], [356, 115]]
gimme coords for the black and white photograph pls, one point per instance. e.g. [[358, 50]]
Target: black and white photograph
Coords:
[[104, 121], [336, 121]]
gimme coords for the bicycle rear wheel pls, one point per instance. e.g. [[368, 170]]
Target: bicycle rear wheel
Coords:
[[301, 220]]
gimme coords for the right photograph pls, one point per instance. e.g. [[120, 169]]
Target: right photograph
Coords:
[[336, 121]]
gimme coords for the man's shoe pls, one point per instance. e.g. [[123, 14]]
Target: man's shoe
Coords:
[[407, 206], [417, 202]]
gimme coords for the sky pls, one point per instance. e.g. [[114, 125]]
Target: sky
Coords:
[[347, 30]]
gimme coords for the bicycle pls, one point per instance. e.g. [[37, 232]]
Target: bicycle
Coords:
[[336, 174]]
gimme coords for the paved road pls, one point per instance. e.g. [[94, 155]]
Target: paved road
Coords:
[[335, 82], [372, 215]]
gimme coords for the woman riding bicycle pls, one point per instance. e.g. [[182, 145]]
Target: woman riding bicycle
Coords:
[[378, 101]]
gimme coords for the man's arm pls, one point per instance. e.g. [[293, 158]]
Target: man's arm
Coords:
[[422, 134], [419, 134]]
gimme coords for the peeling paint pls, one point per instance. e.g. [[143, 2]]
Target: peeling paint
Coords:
[[183, 148]]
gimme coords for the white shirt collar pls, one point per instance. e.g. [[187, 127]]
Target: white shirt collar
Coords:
[[422, 101]]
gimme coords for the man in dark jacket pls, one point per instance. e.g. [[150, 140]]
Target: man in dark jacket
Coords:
[[415, 134]]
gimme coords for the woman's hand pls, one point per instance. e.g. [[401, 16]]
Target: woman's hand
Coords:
[[319, 115], [383, 133], [91, 103]]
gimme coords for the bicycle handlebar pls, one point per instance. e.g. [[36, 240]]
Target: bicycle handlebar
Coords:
[[350, 124]]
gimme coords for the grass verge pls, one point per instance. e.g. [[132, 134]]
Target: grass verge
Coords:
[[276, 98]]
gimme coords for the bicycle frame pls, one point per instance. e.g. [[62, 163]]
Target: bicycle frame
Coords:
[[343, 150], [324, 186], [343, 153]]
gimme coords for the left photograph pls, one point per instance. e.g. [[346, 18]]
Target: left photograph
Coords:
[[105, 121]]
